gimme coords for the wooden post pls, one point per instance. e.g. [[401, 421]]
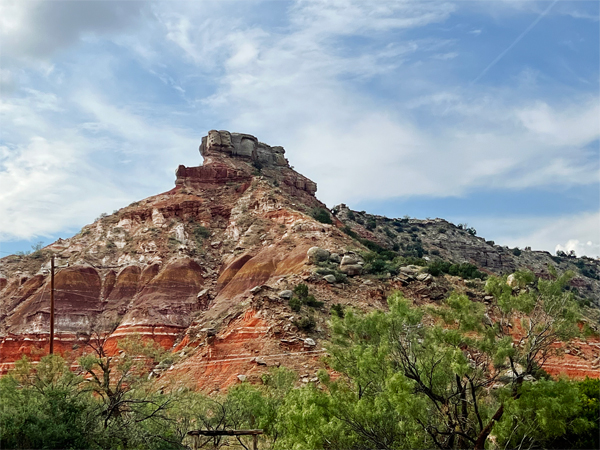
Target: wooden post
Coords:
[[52, 305], [214, 433]]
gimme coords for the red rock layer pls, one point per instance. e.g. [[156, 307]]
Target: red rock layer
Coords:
[[170, 297], [245, 347]]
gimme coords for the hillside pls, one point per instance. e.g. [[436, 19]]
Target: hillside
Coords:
[[207, 268]]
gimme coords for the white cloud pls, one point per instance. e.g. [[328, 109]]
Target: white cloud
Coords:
[[298, 88], [35, 29], [45, 185], [55, 178], [305, 83], [578, 232]]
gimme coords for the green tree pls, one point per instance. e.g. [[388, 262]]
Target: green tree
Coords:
[[44, 407], [465, 371], [133, 412]]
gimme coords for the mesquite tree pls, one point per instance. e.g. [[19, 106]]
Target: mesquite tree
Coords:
[[466, 364]]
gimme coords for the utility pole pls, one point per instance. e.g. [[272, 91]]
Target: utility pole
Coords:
[[52, 305]]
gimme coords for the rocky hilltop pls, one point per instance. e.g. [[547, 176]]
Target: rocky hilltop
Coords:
[[207, 270]]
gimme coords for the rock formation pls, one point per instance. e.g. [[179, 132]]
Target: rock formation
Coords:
[[207, 270]]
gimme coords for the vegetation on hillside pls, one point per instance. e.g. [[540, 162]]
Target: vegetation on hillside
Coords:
[[416, 376]]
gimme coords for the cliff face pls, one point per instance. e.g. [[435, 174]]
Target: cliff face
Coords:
[[203, 270]]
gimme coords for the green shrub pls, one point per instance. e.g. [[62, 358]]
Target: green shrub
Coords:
[[350, 232], [200, 233], [295, 304], [311, 301], [371, 224], [321, 215], [465, 270], [305, 323], [301, 290], [516, 251], [337, 310]]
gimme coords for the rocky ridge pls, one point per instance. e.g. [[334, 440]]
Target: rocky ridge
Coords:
[[207, 270]]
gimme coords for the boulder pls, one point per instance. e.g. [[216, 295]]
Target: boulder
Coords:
[[317, 254], [351, 269], [335, 257], [350, 260], [329, 278], [410, 270], [424, 277], [308, 342], [286, 295], [242, 378], [512, 281]]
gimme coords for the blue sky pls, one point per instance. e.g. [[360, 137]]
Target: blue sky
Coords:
[[480, 112]]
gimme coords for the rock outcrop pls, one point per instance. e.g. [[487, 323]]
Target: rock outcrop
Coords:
[[235, 157]]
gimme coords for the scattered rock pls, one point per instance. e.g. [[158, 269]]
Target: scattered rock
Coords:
[[424, 277], [242, 378], [257, 289], [203, 294], [329, 278], [258, 360], [351, 269], [287, 294], [335, 257], [317, 254], [512, 281], [209, 331], [410, 270], [308, 342], [350, 259]]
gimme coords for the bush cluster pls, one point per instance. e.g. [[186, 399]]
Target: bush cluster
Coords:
[[321, 215], [465, 270], [200, 233], [302, 297]]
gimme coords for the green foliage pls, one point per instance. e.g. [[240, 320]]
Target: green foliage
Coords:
[[301, 290], [306, 323], [587, 271], [371, 224], [312, 302], [302, 297], [43, 407], [200, 233], [350, 232], [516, 251], [337, 310], [552, 414], [321, 215], [443, 370], [465, 270], [295, 304]]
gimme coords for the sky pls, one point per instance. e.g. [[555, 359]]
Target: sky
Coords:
[[478, 112]]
